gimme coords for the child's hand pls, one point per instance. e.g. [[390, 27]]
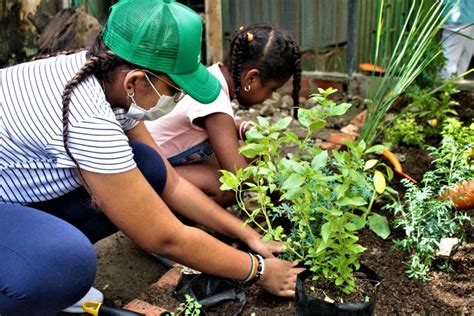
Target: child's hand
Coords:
[[265, 248], [279, 277]]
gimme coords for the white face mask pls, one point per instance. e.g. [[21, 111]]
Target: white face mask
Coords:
[[164, 105]]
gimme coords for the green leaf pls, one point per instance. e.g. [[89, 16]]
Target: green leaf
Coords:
[[351, 201], [356, 248], [294, 181], [376, 148], [326, 231], [358, 222], [253, 150], [320, 160], [370, 163], [304, 117], [253, 134], [379, 225], [379, 182], [263, 122], [316, 125], [283, 123], [338, 109], [350, 226], [229, 181]]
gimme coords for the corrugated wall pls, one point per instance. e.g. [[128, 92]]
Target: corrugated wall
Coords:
[[322, 25]]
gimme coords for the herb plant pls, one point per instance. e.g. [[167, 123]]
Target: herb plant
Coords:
[[189, 308], [425, 218], [324, 200]]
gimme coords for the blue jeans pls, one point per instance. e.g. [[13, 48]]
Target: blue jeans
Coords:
[[197, 153], [47, 260]]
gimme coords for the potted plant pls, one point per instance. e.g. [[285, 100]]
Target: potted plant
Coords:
[[324, 199]]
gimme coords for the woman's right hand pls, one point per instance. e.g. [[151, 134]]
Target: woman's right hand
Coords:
[[279, 277]]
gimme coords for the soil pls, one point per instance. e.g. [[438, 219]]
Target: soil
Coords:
[[125, 271]]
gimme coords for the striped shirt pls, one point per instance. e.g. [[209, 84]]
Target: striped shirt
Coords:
[[34, 165]]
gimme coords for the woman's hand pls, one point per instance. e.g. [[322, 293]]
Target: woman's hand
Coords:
[[266, 249], [279, 277]]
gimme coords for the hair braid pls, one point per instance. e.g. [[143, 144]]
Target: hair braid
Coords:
[[236, 59], [296, 77], [94, 65]]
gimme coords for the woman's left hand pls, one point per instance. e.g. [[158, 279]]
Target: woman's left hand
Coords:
[[266, 249]]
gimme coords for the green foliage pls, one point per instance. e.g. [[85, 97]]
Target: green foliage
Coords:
[[425, 218], [412, 54], [325, 198], [423, 117], [405, 130], [190, 307]]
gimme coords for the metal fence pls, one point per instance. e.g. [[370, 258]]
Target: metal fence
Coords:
[[331, 32]]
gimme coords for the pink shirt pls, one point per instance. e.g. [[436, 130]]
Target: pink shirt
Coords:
[[175, 132]]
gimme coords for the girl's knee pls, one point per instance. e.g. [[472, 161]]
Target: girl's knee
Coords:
[[47, 264], [151, 165]]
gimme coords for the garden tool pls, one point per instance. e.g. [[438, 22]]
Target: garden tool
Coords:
[[99, 309]]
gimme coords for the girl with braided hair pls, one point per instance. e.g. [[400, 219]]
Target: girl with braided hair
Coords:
[[200, 139], [77, 165]]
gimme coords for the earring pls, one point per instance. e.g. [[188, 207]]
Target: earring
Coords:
[[247, 88]]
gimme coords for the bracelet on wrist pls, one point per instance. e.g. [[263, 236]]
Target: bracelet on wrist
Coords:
[[253, 268], [256, 270], [242, 129]]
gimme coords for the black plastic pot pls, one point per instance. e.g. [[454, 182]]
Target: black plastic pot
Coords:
[[308, 305], [210, 291]]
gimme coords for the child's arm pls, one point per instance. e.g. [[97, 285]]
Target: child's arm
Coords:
[[222, 132]]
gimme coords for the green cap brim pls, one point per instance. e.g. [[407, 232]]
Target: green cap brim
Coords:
[[201, 85]]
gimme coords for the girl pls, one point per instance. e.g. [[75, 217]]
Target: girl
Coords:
[[200, 139], [77, 164]]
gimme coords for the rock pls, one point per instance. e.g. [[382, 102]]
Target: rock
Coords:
[[68, 30]]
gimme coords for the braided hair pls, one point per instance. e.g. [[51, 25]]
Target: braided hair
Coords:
[[271, 50], [100, 62]]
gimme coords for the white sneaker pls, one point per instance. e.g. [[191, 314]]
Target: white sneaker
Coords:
[[93, 295]]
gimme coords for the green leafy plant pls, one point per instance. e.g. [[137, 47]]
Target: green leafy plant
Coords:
[[425, 218], [405, 130], [411, 55], [190, 307], [423, 117], [324, 200]]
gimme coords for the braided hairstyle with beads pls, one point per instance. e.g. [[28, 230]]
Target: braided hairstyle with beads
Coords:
[[100, 63], [271, 50]]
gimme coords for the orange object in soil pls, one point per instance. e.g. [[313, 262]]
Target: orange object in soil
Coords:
[[371, 68], [462, 195], [397, 167]]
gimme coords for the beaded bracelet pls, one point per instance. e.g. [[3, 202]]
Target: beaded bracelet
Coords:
[[261, 267]]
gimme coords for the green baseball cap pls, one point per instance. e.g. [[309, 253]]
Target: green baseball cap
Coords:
[[164, 36]]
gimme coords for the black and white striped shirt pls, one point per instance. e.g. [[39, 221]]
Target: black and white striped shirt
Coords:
[[34, 164]]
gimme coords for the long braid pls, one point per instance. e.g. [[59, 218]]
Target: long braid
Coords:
[[94, 65], [296, 78], [236, 68]]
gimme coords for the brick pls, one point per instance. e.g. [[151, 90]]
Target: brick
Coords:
[[351, 129], [169, 279], [339, 138], [359, 119], [329, 145], [140, 306]]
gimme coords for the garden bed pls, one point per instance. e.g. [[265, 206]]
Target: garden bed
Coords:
[[449, 291]]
